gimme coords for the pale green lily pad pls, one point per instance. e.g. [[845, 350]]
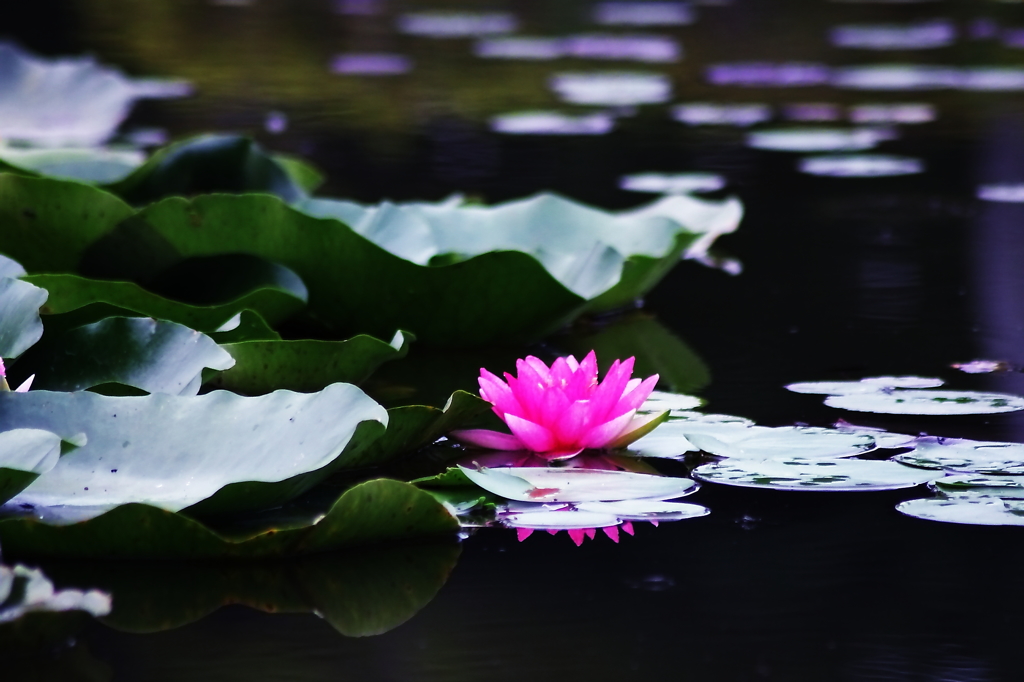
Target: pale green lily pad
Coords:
[[98, 165], [68, 101], [19, 313], [173, 452], [567, 519], [542, 484], [26, 454], [869, 385], [305, 365], [886, 440], [817, 139], [669, 440], [975, 485], [975, 512], [27, 590], [373, 512], [801, 442], [928, 402], [677, 404], [595, 514], [967, 456], [813, 474], [646, 510], [155, 356]]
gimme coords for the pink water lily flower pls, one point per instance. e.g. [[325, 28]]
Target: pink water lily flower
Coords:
[[561, 410]]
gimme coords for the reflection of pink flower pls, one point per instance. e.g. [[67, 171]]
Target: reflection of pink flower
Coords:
[[3, 380], [561, 410]]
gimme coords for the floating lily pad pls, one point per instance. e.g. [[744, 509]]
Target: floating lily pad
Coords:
[[966, 456], [869, 385], [79, 300], [801, 442], [377, 511], [670, 439], [975, 485], [541, 484], [27, 590], [566, 519], [883, 439], [96, 165], [68, 101], [244, 326], [155, 356], [817, 139], [305, 365], [928, 402], [646, 510], [975, 512], [813, 474], [25, 454], [675, 403], [595, 514], [233, 452], [19, 311]]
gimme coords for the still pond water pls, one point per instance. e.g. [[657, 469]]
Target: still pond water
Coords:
[[843, 277]]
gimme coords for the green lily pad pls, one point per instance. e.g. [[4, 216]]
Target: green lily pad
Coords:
[[869, 385], [214, 163], [411, 427], [803, 442], [229, 452], [544, 484], [966, 456], [19, 311], [377, 511], [155, 356], [25, 454], [975, 512], [364, 592], [244, 326], [96, 165], [975, 485], [928, 402], [26, 590], [597, 514], [305, 365], [813, 474], [76, 300]]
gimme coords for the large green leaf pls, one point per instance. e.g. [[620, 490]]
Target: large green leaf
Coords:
[[47, 224], [86, 164], [305, 365], [76, 300], [20, 326], [213, 163], [229, 452], [360, 592], [377, 511], [155, 356]]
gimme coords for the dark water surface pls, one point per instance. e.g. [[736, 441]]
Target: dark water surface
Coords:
[[843, 278]]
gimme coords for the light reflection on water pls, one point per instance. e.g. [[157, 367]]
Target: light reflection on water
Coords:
[[843, 279]]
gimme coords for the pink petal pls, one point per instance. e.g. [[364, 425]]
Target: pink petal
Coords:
[[573, 423], [530, 391], [552, 531], [3, 370], [492, 440], [608, 392], [534, 436], [571, 361], [25, 385], [497, 392], [523, 533], [555, 455], [584, 379], [601, 435], [612, 532], [654, 523], [627, 526], [633, 399], [577, 536], [591, 532], [538, 366], [561, 373]]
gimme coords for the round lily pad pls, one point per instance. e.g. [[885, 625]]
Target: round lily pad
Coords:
[[975, 486], [813, 474], [966, 456], [670, 440], [675, 403], [647, 510], [785, 442], [928, 402], [549, 519], [869, 385], [975, 512], [542, 484]]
